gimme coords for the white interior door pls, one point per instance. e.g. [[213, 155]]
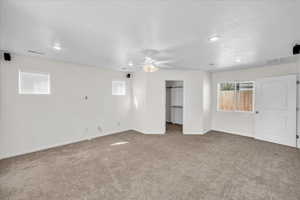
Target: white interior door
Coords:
[[275, 119]]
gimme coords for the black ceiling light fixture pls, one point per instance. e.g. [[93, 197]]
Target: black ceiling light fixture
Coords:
[[296, 49], [7, 56]]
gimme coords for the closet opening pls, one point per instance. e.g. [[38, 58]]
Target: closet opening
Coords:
[[174, 107]]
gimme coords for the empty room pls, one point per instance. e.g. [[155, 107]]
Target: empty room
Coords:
[[149, 100]]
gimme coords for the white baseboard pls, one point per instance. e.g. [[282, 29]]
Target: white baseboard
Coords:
[[195, 132], [206, 131], [233, 133], [149, 132], [138, 130], [5, 156], [153, 133]]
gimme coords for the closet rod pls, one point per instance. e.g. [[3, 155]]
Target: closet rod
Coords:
[[176, 87]]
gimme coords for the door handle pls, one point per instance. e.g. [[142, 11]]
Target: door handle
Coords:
[[257, 112]]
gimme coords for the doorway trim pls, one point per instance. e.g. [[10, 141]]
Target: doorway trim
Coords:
[[183, 103]]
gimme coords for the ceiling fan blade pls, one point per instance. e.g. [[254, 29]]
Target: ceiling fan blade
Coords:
[[164, 62], [150, 52], [164, 66]]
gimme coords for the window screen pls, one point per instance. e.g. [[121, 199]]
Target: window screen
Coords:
[[236, 96], [118, 88], [34, 83]]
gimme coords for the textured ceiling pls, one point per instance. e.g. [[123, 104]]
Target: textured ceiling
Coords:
[[113, 33]]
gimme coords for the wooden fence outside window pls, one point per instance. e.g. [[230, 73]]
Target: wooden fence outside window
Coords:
[[236, 101]]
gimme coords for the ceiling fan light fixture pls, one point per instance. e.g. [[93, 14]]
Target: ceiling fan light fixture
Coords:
[[238, 60], [130, 64], [214, 38], [150, 68], [57, 46]]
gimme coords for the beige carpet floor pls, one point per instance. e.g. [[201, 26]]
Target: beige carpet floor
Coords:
[[130, 165]]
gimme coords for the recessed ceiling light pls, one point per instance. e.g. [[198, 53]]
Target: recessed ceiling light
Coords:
[[238, 60], [57, 46], [214, 38], [130, 64]]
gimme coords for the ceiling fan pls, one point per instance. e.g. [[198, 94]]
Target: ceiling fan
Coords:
[[149, 62], [151, 65]]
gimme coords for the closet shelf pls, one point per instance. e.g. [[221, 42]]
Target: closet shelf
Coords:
[[175, 87], [176, 106]]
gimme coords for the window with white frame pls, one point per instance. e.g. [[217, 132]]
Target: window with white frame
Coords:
[[118, 88], [236, 96], [34, 83]]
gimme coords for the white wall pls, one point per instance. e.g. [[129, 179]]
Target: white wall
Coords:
[[206, 96], [32, 122], [149, 95], [237, 122], [139, 101]]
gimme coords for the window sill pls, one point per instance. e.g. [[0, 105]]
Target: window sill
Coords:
[[34, 94], [229, 111]]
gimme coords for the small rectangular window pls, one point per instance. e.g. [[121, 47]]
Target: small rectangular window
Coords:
[[236, 96], [118, 88], [34, 83]]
